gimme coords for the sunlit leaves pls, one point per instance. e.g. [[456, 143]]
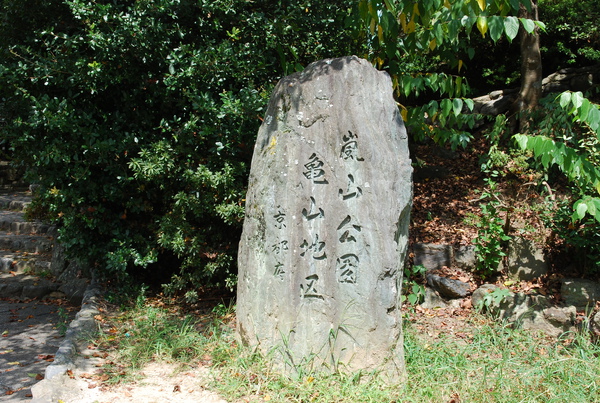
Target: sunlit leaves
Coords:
[[511, 27], [528, 25], [582, 109], [575, 163], [586, 205], [482, 25]]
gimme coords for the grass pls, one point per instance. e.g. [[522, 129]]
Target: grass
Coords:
[[493, 364]]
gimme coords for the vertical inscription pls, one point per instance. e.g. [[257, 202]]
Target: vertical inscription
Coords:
[[348, 231], [316, 249], [350, 147], [313, 212], [280, 247], [314, 170], [346, 268], [308, 288], [352, 190]]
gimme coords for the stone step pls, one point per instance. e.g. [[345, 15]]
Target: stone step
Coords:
[[24, 262], [15, 200], [24, 286], [25, 243], [14, 222]]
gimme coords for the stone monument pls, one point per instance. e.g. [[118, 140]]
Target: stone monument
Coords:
[[327, 212]]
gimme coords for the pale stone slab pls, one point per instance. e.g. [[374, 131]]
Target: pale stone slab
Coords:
[[327, 213]]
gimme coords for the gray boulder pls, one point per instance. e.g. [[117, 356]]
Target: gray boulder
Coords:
[[447, 287], [465, 257], [525, 261], [433, 300], [325, 236], [533, 312], [432, 256], [580, 293]]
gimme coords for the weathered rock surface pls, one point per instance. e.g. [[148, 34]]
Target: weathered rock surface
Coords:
[[525, 261], [534, 312], [327, 212], [580, 293], [432, 256], [447, 287], [433, 300], [573, 79], [465, 257]]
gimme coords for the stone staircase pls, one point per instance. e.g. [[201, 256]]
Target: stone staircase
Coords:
[[26, 245], [25, 250]]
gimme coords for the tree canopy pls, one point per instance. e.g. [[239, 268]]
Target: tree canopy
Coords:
[[137, 119]]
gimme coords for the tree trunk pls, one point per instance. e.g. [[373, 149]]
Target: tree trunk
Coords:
[[531, 69]]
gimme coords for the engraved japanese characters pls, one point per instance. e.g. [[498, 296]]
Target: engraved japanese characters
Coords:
[[327, 211]]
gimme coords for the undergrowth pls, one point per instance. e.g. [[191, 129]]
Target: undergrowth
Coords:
[[493, 363]]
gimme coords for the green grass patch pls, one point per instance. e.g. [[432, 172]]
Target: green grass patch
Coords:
[[493, 364]]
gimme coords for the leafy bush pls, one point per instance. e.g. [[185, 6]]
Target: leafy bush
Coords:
[[573, 37], [137, 118], [490, 243], [568, 140]]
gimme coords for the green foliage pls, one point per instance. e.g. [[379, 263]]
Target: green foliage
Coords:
[[491, 238], [569, 140], [582, 237], [484, 363], [493, 298], [146, 333], [63, 321], [137, 119], [573, 35], [575, 155], [413, 289], [400, 34]]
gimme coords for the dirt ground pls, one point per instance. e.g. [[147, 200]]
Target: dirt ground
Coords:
[[159, 382]]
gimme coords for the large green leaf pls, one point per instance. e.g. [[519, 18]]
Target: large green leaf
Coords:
[[593, 119], [511, 27], [457, 105], [496, 25], [528, 24], [446, 107]]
